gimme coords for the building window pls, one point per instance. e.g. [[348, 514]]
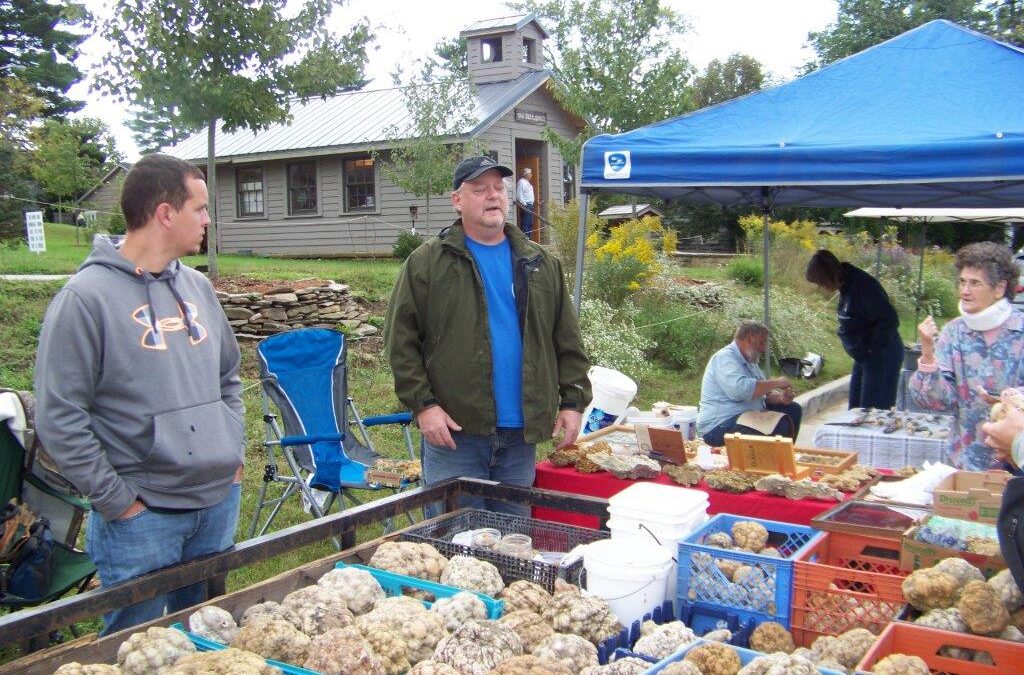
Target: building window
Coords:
[[250, 192], [490, 50], [302, 188], [529, 50], [360, 190]]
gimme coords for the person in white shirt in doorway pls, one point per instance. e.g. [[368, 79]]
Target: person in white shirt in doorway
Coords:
[[525, 199]]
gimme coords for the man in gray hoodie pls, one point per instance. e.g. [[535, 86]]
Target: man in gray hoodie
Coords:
[[139, 396]]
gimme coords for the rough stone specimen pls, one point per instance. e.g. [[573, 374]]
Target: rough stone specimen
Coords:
[[687, 474], [478, 646], [627, 467]]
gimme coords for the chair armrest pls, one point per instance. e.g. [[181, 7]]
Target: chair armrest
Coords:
[[42, 486], [312, 438], [394, 418]]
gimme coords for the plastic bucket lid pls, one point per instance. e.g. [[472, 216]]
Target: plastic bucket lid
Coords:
[[661, 502]]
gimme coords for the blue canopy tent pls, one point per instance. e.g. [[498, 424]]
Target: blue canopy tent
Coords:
[[931, 118]]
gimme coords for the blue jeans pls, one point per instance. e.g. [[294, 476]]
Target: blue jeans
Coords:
[[504, 457], [526, 223], [786, 427], [148, 541], [874, 380]]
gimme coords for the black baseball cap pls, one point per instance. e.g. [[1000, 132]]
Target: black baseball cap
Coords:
[[471, 167]]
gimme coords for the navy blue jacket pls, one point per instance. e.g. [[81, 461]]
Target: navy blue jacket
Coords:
[[1011, 528], [867, 320]]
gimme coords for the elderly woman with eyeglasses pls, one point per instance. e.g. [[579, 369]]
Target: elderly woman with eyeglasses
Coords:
[[976, 355]]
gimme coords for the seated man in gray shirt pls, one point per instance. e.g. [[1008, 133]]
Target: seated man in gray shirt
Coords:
[[733, 385]]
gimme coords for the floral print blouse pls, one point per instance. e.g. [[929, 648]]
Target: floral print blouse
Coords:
[[964, 362]]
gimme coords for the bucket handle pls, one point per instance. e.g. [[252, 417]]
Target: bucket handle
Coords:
[[579, 582], [655, 538]]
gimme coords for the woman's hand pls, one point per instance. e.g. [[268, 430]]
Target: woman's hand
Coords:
[[999, 435], [928, 331]]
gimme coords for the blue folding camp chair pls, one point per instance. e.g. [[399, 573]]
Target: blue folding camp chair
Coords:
[[325, 441]]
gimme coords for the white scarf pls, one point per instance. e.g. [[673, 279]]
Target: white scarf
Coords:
[[993, 316]]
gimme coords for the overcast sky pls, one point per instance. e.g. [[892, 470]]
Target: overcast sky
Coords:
[[775, 33]]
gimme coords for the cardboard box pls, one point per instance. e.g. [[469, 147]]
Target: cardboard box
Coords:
[[915, 555], [971, 495]]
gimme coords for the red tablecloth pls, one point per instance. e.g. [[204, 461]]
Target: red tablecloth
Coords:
[[604, 484]]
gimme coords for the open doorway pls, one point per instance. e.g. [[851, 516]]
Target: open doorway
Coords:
[[529, 157]]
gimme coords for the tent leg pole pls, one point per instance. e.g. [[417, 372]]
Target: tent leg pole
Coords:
[[920, 271], [581, 243], [766, 244]]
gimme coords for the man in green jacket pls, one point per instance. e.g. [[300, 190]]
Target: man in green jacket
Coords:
[[484, 344]]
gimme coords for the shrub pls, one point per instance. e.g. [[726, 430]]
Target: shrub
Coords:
[[116, 223], [405, 244], [683, 336], [612, 339], [747, 271], [565, 227], [625, 261], [797, 326]]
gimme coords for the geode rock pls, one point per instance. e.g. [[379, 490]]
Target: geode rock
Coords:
[[736, 482], [774, 484], [687, 474], [586, 465], [566, 456], [808, 489], [842, 482], [626, 466]]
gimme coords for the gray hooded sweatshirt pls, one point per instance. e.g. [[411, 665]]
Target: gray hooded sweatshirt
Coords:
[[137, 385]]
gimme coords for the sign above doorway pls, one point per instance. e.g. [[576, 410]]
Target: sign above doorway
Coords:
[[531, 116]]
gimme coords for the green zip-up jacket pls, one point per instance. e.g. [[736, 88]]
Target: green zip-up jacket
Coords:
[[438, 342]]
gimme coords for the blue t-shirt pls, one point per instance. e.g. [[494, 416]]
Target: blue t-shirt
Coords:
[[495, 265]]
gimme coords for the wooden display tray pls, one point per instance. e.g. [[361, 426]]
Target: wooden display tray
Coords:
[[764, 454], [603, 434], [846, 460], [870, 519]]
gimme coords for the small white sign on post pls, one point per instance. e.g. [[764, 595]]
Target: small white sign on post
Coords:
[[34, 228]]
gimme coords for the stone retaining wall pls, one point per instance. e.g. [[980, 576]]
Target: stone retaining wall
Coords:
[[254, 315]]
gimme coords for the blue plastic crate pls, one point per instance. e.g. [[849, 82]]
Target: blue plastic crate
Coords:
[[746, 656], [703, 618], [766, 590], [628, 636], [394, 584], [206, 645]]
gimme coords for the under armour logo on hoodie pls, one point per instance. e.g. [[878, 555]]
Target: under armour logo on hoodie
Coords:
[[154, 339]]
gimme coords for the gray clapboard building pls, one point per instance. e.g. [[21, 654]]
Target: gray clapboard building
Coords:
[[311, 186]]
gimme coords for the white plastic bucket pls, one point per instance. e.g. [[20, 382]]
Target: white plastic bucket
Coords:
[[613, 392], [658, 502], [630, 575]]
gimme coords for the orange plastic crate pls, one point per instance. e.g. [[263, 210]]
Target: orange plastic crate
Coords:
[[905, 638], [845, 581]]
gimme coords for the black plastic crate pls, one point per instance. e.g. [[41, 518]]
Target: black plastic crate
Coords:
[[546, 537]]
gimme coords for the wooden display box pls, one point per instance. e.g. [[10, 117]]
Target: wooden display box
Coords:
[[971, 495], [870, 519], [915, 554], [841, 460], [764, 454]]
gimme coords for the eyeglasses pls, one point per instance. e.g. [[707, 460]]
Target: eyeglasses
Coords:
[[972, 284]]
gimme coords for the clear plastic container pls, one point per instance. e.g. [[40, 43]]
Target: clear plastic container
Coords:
[[486, 538], [519, 545]]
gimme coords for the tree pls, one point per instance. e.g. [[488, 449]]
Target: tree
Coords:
[[424, 156], [155, 129], [450, 57], [36, 48], [723, 81], [863, 23], [614, 62], [232, 62], [19, 107], [62, 162]]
